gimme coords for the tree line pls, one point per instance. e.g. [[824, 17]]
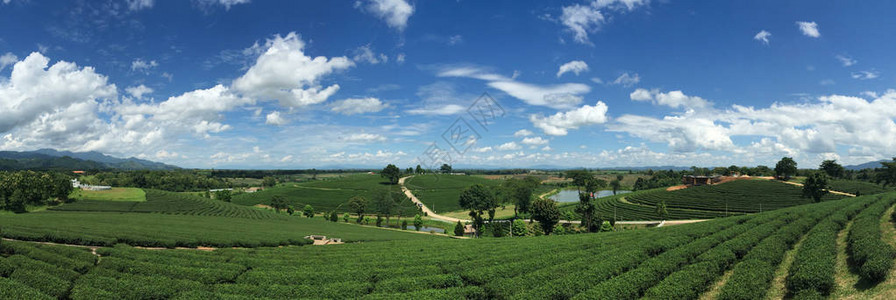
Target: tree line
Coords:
[[22, 188]]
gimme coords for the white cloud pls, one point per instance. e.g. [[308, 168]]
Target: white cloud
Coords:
[[140, 65], [7, 59], [809, 29], [365, 54], [35, 91], [443, 110], [869, 94], [274, 118], [509, 146], [455, 39], [400, 58], [561, 122], [762, 36], [226, 3], [534, 141], [394, 12], [576, 66], [482, 149], [354, 106], [583, 20], [674, 99], [284, 73], [136, 5], [286, 158], [827, 82], [138, 91], [164, 155], [557, 96], [364, 138], [440, 98], [865, 75], [522, 133], [846, 60], [627, 80]]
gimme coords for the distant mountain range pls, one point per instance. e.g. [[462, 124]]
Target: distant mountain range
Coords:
[[867, 165], [49, 159]]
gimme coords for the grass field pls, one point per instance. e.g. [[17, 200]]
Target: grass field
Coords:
[[327, 194], [115, 194], [745, 196], [441, 192], [739, 257]]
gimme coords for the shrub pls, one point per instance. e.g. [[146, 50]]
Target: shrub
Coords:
[[418, 222], [459, 229], [404, 224]]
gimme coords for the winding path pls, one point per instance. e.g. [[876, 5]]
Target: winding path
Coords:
[[433, 215]]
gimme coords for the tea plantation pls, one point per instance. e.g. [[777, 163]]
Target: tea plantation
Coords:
[[792, 251]]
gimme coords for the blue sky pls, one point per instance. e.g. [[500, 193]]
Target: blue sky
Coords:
[[300, 84]]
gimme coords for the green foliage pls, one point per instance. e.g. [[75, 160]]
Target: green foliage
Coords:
[[308, 211], [661, 211], [546, 213], [269, 181], [418, 222], [887, 174], [785, 168], [445, 168], [816, 186], [478, 199], [441, 192], [169, 203], [404, 224], [832, 168], [459, 229], [872, 256], [329, 194], [358, 205], [520, 228], [391, 173], [333, 216], [279, 202]]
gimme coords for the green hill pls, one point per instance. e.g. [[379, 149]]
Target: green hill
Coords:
[[441, 192]]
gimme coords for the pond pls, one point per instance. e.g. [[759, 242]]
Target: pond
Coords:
[[573, 195], [427, 229]]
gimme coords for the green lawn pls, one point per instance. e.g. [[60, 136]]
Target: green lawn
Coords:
[[115, 194], [327, 194], [441, 192]]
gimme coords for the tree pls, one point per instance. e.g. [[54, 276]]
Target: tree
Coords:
[[418, 170], [586, 206], [661, 210], [334, 217], [409, 171], [358, 204], [289, 210], [346, 217], [816, 186], [785, 168], [268, 181], [887, 174], [384, 204], [478, 199], [308, 211], [445, 168], [579, 177], [520, 228], [615, 184], [404, 225], [459, 229], [519, 192], [418, 222], [224, 195], [392, 173], [832, 168], [546, 213], [278, 203]]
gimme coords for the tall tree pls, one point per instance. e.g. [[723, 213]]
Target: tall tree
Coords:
[[832, 168], [478, 199], [418, 170], [519, 192], [547, 214], [661, 210], [615, 184], [785, 168], [268, 181], [384, 204], [445, 168], [225, 195], [816, 186], [358, 204], [392, 173], [887, 174], [277, 202]]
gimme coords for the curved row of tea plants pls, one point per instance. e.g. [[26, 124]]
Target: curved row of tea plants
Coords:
[[746, 196], [872, 256], [158, 201]]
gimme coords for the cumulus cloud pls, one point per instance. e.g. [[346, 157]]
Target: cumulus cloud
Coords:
[[582, 20], [846, 60], [140, 65], [394, 12], [561, 122], [809, 29], [534, 141], [7, 60], [284, 73], [274, 118], [138, 91], [509, 146], [522, 133], [762, 36], [354, 106], [627, 79], [674, 99], [364, 138], [576, 67]]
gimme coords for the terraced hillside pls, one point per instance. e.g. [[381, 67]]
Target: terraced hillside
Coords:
[[440, 192], [791, 251], [744, 196], [328, 194]]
